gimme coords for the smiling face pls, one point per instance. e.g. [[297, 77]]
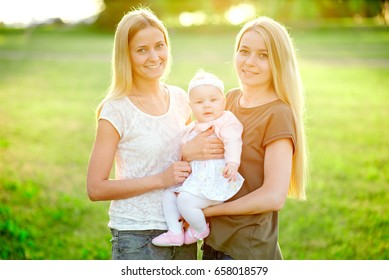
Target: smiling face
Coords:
[[206, 102], [252, 61], [148, 53]]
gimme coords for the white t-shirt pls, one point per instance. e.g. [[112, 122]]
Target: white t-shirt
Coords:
[[148, 145]]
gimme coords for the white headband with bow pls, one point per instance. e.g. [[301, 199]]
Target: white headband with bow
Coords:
[[206, 80]]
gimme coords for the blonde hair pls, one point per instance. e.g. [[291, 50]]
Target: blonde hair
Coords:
[[288, 86], [129, 25]]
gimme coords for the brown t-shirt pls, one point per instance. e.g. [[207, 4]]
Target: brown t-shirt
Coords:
[[253, 236]]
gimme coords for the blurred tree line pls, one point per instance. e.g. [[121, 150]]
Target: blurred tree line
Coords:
[[280, 9]]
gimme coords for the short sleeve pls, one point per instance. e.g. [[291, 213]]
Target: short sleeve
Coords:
[[183, 102], [112, 114], [280, 125]]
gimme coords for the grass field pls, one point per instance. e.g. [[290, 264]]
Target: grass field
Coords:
[[51, 81]]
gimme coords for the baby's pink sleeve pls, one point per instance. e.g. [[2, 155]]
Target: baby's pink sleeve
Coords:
[[231, 135]]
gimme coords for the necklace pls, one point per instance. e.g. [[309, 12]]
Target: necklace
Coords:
[[143, 105], [151, 112]]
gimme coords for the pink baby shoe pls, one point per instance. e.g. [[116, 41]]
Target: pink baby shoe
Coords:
[[191, 236], [168, 239]]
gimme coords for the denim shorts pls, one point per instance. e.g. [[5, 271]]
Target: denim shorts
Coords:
[[136, 245]]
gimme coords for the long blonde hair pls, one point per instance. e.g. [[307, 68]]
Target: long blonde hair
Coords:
[[129, 25], [288, 86]]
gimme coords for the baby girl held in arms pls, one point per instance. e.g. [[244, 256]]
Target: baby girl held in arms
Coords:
[[211, 181]]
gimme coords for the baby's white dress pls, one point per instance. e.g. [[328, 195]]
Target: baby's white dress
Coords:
[[206, 179]]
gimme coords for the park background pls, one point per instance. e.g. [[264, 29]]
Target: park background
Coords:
[[54, 72]]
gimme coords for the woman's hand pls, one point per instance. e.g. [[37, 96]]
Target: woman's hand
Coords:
[[176, 173], [203, 147]]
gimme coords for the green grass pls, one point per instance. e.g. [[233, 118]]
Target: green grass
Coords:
[[52, 80]]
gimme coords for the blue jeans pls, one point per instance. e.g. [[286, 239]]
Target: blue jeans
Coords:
[[136, 245], [211, 254]]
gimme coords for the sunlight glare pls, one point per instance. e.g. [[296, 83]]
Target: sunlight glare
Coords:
[[240, 13], [195, 18], [25, 12]]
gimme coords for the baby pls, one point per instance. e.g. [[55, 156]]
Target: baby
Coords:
[[211, 181]]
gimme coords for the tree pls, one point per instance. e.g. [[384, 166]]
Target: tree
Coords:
[[280, 9], [115, 9]]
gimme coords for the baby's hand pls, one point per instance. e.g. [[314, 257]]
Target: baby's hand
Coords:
[[230, 171]]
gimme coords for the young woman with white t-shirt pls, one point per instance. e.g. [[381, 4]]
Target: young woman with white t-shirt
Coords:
[[140, 125]]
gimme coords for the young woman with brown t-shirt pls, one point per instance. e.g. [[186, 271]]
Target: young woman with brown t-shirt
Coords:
[[269, 104]]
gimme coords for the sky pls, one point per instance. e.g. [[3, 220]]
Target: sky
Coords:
[[21, 13], [24, 12]]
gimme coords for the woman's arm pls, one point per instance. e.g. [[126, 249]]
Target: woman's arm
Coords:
[[273, 193], [100, 187], [203, 147]]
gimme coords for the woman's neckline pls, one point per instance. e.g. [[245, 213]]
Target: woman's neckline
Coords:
[[267, 102], [148, 114]]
